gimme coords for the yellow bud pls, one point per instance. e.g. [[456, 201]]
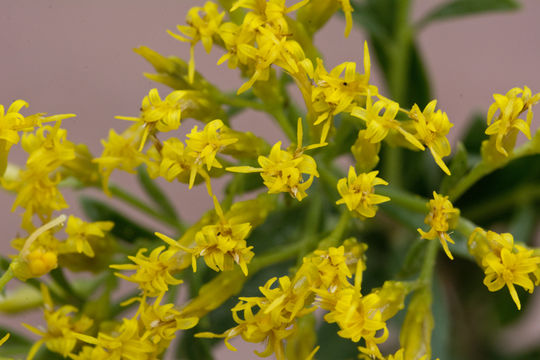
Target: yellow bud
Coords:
[[41, 262], [365, 153], [415, 336]]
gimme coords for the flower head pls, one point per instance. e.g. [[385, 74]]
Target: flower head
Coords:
[[431, 129], [153, 273], [81, 234], [442, 217], [380, 119], [62, 329], [120, 152], [223, 244], [199, 28], [357, 192], [284, 171], [161, 115], [510, 106], [504, 263]]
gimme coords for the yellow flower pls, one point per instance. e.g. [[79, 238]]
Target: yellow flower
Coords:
[[37, 193], [357, 192], [120, 152], [223, 244], [506, 125], [504, 262], [162, 115], [356, 316], [365, 152], [204, 145], [283, 171], [153, 273], [161, 322], [173, 162], [81, 234], [200, 28], [48, 148], [431, 129], [62, 328], [272, 49], [11, 122], [332, 94], [377, 125], [125, 342], [274, 320], [442, 217], [325, 270], [238, 42]]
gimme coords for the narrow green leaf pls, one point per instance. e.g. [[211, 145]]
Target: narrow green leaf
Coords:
[[475, 134], [524, 223], [156, 194], [124, 227], [333, 346], [418, 85], [458, 168], [458, 8], [16, 345], [440, 341]]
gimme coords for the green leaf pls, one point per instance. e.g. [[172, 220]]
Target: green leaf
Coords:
[[155, 193], [333, 346], [378, 18], [440, 341], [15, 345], [496, 196], [475, 134], [192, 348], [418, 85], [523, 224], [460, 8], [124, 227], [458, 168]]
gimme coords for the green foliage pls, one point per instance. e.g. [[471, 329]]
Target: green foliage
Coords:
[[154, 192], [125, 228], [460, 8]]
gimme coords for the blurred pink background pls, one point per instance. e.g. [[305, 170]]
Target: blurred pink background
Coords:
[[76, 57]]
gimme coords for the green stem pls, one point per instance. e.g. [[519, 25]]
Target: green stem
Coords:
[[482, 168], [392, 168], [334, 238], [311, 222], [404, 199], [284, 253], [426, 274], [399, 52], [6, 277], [69, 293], [465, 227], [131, 199], [238, 101], [284, 123]]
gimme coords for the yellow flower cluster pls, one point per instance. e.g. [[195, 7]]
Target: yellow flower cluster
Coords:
[[264, 40], [62, 329], [504, 128], [504, 262], [325, 274]]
